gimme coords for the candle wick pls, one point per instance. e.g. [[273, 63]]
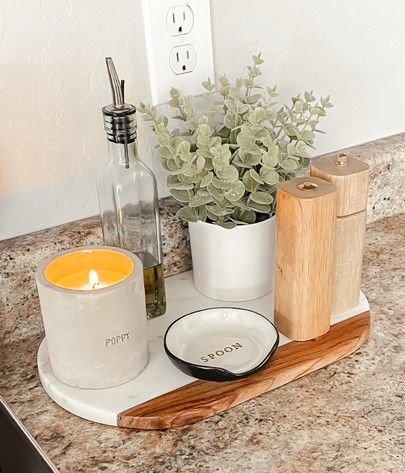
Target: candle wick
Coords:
[[93, 279]]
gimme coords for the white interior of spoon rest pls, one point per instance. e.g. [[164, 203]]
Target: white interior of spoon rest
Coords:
[[234, 339]]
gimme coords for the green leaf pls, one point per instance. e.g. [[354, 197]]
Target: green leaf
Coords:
[[271, 156], [203, 192], [308, 135], [223, 80], [232, 120], [260, 208], [252, 180], [251, 158], [224, 132], [261, 197], [219, 211], [221, 154], [219, 162], [235, 192], [228, 173], [289, 165], [198, 200], [217, 196], [188, 214], [228, 225], [180, 186], [252, 99], [199, 164], [317, 111], [208, 85], [245, 141], [162, 138], [201, 213], [230, 105], [257, 116], [223, 185], [240, 164], [291, 149], [253, 174], [272, 91], [257, 59], [244, 216], [166, 152], [172, 166], [174, 93], [207, 179], [304, 162], [180, 195], [309, 97], [213, 190], [175, 103], [269, 176], [242, 204], [204, 129]]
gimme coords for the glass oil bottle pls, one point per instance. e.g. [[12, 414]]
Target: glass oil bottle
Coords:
[[128, 197]]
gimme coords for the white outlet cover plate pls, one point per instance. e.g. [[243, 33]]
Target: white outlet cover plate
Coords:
[[159, 43]]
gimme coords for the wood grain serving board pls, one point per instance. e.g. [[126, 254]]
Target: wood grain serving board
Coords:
[[163, 397], [202, 399]]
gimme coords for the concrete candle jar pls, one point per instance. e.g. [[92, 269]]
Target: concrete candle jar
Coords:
[[93, 308]]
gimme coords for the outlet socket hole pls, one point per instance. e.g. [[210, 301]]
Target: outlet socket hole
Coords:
[[179, 20]]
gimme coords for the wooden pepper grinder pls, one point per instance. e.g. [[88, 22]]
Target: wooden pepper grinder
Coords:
[[306, 220], [350, 176]]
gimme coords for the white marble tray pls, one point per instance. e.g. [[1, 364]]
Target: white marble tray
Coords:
[[160, 376]]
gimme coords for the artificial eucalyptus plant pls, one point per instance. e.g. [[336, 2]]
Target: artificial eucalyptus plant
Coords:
[[225, 164]]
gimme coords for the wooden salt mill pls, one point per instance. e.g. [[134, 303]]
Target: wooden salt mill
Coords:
[[306, 220], [350, 176]]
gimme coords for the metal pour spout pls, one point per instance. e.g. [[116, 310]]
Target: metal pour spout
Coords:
[[119, 117], [117, 87]]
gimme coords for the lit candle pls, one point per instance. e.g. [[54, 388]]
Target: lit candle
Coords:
[[93, 308]]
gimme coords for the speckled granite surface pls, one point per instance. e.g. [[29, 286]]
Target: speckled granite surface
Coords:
[[345, 418]]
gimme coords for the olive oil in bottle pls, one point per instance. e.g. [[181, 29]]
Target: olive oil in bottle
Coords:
[[154, 285], [128, 198]]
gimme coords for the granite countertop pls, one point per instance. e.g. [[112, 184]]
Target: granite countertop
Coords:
[[345, 418]]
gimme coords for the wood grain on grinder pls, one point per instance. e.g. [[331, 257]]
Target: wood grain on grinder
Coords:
[[306, 222], [351, 182]]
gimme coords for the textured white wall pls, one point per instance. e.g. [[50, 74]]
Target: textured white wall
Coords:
[[53, 83]]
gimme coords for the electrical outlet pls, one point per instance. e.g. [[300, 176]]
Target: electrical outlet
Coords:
[[173, 48], [179, 20], [183, 59]]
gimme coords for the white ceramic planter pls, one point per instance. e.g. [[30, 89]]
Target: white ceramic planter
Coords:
[[236, 264]]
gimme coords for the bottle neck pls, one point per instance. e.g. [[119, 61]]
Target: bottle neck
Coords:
[[123, 154]]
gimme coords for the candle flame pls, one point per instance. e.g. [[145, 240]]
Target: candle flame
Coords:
[[93, 279]]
